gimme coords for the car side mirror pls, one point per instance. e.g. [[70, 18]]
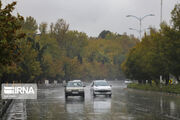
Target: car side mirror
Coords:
[[84, 85], [110, 85], [64, 85]]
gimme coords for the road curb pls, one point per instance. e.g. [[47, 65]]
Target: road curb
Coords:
[[16, 111]]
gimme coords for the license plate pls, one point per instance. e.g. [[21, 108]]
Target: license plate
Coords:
[[74, 92]]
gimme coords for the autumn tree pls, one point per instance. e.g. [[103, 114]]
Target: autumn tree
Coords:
[[58, 53], [9, 25], [43, 28], [103, 34], [30, 25], [158, 53]]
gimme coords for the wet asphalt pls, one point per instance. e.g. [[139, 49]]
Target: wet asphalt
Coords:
[[125, 104]]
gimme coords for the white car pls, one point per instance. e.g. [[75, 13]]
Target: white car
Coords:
[[74, 88], [127, 81], [101, 87]]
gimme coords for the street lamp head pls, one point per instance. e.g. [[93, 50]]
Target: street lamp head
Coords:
[[128, 15], [135, 30], [140, 21], [151, 15], [131, 28]]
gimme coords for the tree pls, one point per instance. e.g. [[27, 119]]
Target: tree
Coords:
[[60, 54], [9, 26], [103, 34], [30, 67], [74, 44], [59, 30], [30, 24], [157, 54], [71, 68], [175, 15], [52, 68], [50, 57], [174, 36], [43, 28]]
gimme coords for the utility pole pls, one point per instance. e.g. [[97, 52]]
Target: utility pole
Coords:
[[161, 11]]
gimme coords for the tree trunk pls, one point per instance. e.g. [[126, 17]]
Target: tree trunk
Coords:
[[140, 81], [144, 81], [157, 82], [167, 79], [150, 82]]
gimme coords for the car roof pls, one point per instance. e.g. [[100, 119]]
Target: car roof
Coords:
[[100, 81], [76, 80]]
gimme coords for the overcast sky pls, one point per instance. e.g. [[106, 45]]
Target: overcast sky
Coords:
[[93, 16]]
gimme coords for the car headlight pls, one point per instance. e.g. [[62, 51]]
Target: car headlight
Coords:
[[68, 90], [109, 88], [96, 88]]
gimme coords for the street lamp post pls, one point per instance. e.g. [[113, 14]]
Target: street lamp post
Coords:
[[140, 22], [135, 30], [139, 30]]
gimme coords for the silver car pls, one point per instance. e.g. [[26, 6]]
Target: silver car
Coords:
[[101, 87], [74, 88]]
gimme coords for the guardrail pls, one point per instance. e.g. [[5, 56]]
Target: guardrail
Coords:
[[4, 105], [49, 86]]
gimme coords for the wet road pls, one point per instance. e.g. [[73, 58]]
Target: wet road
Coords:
[[125, 104]]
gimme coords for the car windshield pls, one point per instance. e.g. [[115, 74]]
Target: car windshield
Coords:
[[101, 83], [74, 84]]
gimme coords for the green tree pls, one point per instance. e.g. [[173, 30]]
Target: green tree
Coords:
[[30, 67], [103, 34], [174, 38], [9, 26], [30, 25], [157, 54], [71, 68], [175, 15], [59, 31], [43, 28], [9, 35]]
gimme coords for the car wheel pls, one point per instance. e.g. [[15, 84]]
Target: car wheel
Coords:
[[66, 96], [110, 95], [83, 96], [94, 95]]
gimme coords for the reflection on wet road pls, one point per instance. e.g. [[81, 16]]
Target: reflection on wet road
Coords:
[[125, 104]]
